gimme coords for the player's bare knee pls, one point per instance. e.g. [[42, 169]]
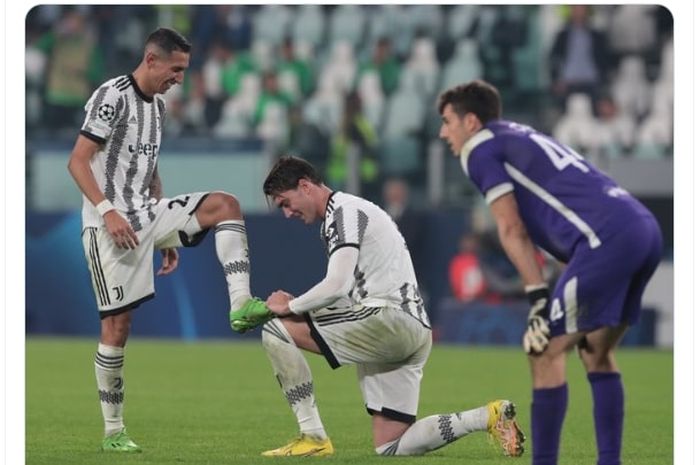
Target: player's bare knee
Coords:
[[596, 361], [227, 206]]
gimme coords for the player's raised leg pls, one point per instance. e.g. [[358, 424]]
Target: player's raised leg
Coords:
[[222, 211], [282, 340], [109, 371]]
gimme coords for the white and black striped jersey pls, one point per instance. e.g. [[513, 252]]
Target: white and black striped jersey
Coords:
[[384, 275], [127, 125]]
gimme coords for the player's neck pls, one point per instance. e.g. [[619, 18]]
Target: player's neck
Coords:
[[139, 75], [324, 195]]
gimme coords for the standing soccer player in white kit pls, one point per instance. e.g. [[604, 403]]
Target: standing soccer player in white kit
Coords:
[[125, 217], [367, 312]]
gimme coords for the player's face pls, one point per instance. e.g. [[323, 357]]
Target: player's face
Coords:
[[455, 129], [296, 203], [168, 70]]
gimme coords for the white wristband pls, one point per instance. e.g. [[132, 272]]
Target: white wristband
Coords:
[[534, 287], [104, 206]]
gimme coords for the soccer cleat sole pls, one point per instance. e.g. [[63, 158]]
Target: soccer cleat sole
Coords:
[[516, 448]]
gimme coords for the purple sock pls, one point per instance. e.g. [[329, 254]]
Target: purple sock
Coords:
[[608, 413], [547, 416]]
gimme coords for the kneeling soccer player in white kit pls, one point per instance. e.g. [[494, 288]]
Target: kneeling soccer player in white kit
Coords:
[[367, 311]]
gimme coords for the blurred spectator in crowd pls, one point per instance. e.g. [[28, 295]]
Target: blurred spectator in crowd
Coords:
[[73, 69], [509, 32], [501, 278], [411, 222], [579, 57], [356, 133], [466, 279], [271, 94], [271, 116], [212, 82], [290, 63], [237, 65], [229, 24], [385, 64]]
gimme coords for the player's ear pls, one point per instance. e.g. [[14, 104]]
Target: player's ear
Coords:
[[150, 57], [471, 121]]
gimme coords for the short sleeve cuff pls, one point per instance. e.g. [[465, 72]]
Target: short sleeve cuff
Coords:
[[498, 191], [93, 137]]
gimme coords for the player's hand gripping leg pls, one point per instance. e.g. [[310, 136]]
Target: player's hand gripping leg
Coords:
[[537, 335]]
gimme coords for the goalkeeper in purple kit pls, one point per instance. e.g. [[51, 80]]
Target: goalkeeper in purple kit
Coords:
[[542, 193]]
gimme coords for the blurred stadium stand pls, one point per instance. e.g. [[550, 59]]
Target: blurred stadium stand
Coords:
[[272, 79]]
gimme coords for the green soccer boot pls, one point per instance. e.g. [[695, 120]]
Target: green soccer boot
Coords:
[[119, 442], [253, 313]]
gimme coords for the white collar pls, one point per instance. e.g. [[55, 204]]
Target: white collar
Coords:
[[481, 136]]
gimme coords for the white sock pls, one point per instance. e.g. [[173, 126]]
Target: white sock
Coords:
[[232, 249], [294, 376], [109, 369], [435, 431]]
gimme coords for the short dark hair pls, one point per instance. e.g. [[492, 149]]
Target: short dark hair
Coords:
[[169, 40], [287, 172], [478, 97]]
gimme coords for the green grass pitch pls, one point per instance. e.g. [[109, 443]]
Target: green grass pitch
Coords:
[[218, 403]]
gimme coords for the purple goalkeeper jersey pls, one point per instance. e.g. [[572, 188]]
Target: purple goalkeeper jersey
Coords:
[[563, 200]]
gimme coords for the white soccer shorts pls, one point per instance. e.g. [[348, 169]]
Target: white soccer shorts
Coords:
[[389, 347], [123, 278]]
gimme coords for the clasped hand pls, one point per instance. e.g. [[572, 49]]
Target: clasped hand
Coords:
[[537, 334]]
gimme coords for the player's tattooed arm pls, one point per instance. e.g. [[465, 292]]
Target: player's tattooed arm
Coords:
[[156, 187]]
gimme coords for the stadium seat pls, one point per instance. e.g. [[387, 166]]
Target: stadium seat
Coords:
[[423, 66], [405, 110], [460, 21], [274, 126], [271, 23], [304, 50], [211, 76], [632, 29], [391, 21], [425, 19], [341, 67], [464, 66], [655, 135], [308, 24], [577, 127], [529, 60], [237, 113], [631, 88], [347, 23], [369, 88], [263, 54], [325, 108], [400, 156], [662, 88]]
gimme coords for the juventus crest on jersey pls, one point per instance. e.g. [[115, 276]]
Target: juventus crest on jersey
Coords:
[[127, 124], [384, 274]]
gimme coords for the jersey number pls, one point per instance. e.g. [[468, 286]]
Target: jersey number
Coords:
[[561, 156]]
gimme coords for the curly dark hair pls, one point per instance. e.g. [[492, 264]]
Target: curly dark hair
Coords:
[[287, 172], [478, 97]]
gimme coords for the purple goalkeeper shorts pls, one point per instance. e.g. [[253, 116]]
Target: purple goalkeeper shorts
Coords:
[[604, 286]]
